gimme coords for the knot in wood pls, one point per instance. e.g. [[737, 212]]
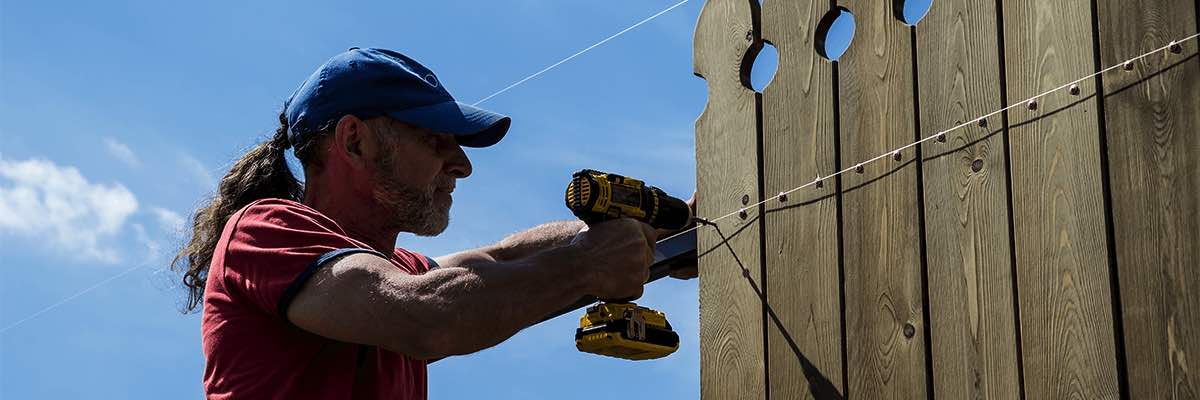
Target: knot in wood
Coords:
[[976, 165], [745, 199], [909, 330]]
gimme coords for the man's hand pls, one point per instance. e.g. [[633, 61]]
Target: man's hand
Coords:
[[691, 271], [617, 255]]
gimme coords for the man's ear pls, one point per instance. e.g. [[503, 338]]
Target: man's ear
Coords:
[[350, 138]]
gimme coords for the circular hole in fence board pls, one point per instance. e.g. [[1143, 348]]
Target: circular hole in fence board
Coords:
[[763, 69], [834, 33], [912, 11]]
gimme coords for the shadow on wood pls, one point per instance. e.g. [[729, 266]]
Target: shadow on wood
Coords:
[[820, 385]]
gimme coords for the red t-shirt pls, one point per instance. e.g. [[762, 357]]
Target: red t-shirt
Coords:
[[266, 252]]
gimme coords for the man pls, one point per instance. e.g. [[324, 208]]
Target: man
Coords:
[[304, 294]]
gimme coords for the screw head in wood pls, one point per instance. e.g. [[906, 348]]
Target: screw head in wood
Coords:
[[909, 330], [782, 197], [742, 214], [818, 183], [983, 122], [941, 137], [858, 168], [896, 155], [1174, 47], [1074, 90], [745, 199], [1033, 105], [749, 36], [1128, 65]]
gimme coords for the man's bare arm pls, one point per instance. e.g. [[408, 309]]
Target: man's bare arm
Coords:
[[460, 309], [518, 245]]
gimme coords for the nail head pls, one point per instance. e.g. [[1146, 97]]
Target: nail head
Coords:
[[897, 156], [1128, 66], [1074, 90], [941, 137], [983, 123], [1175, 48], [782, 197], [742, 214], [858, 168], [1033, 105]]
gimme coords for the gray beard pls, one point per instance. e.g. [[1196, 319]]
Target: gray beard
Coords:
[[412, 210]]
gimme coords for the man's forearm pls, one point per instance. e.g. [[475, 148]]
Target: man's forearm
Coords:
[[535, 240], [481, 304]]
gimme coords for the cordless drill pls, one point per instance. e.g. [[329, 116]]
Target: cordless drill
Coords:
[[623, 329]]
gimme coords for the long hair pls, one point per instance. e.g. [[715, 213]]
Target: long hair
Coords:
[[261, 173]]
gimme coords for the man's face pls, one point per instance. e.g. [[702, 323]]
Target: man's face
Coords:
[[414, 176]]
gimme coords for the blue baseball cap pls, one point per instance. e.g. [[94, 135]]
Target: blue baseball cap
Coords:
[[375, 82]]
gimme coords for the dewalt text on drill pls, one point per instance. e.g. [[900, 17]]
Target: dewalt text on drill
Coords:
[[623, 329]]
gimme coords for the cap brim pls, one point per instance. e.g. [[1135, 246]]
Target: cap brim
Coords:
[[474, 126]]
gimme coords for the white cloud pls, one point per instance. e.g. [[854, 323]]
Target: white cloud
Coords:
[[198, 171], [46, 201], [170, 221], [153, 247], [121, 152]]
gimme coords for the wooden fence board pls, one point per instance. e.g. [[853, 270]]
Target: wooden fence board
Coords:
[[804, 339], [885, 335], [1064, 290], [1153, 128], [731, 336], [973, 325]]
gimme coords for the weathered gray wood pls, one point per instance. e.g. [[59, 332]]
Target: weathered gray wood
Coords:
[[885, 334], [731, 336], [969, 270], [1058, 216], [804, 292], [1153, 126]]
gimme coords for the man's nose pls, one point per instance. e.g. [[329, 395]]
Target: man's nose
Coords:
[[458, 165]]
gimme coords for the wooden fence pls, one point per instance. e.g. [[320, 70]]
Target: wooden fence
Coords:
[[1050, 253]]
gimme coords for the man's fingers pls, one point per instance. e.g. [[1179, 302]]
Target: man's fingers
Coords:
[[685, 273], [650, 233]]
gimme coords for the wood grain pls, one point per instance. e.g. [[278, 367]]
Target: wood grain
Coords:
[[1058, 204], [885, 334], [1154, 170], [804, 292], [969, 270], [731, 326]]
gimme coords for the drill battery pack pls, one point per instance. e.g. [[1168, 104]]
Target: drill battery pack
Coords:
[[625, 330]]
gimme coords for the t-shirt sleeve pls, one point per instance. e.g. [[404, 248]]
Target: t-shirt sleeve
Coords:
[[275, 247]]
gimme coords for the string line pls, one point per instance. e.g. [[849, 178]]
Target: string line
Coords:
[[577, 54], [74, 296], [939, 136]]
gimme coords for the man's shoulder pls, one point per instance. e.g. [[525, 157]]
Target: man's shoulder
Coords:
[[284, 212]]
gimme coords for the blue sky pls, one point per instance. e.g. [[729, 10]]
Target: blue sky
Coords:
[[117, 118]]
